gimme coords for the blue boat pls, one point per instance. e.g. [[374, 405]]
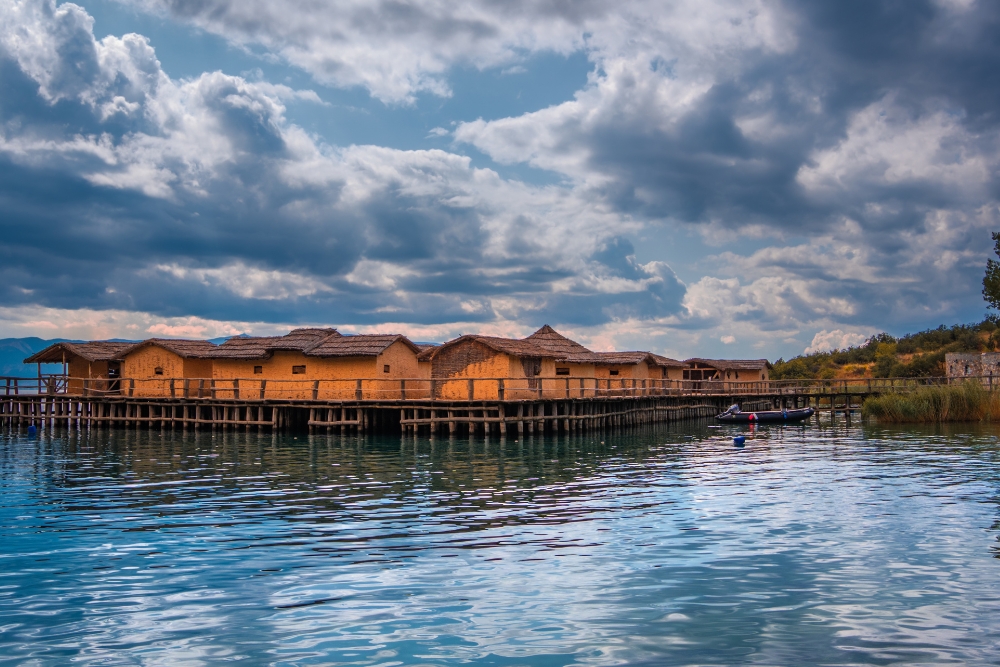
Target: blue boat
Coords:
[[736, 416]]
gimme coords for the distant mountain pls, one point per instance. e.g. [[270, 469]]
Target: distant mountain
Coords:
[[13, 351]]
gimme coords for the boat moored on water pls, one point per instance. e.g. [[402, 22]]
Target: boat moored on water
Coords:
[[736, 416]]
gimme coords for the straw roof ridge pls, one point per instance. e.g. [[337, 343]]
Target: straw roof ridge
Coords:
[[518, 347], [732, 364], [247, 347], [301, 340], [358, 345], [667, 361], [554, 342], [624, 358], [96, 350], [186, 348]]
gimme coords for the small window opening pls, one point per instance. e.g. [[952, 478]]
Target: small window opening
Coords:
[[613, 371], [258, 370], [385, 369], [737, 375], [298, 370], [562, 371], [158, 371]]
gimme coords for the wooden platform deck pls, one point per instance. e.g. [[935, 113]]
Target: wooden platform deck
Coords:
[[47, 402]]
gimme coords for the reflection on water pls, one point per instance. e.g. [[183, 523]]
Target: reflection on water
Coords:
[[812, 544]]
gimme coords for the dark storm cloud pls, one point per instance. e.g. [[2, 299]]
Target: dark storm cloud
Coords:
[[849, 55], [869, 126], [125, 190]]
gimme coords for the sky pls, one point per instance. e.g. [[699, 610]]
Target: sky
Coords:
[[741, 178]]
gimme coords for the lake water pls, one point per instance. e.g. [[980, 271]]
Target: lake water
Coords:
[[817, 544]]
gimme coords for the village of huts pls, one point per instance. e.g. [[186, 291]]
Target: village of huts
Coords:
[[322, 363]]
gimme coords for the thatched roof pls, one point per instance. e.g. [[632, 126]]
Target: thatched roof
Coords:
[[98, 350], [361, 345], [555, 343], [545, 342], [731, 364], [186, 349], [246, 347], [262, 347], [300, 340], [667, 361], [636, 357], [311, 342]]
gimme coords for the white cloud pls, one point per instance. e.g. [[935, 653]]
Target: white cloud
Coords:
[[87, 324], [397, 50], [250, 282], [825, 341], [885, 145]]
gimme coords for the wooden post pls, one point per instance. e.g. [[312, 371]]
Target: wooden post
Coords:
[[236, 388], [357, 390], [131, 387], [263, 385], [315, 390], [402, 390], [500, 393], [472, 389]]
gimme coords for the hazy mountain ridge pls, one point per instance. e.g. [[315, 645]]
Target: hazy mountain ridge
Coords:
[[13, 352]]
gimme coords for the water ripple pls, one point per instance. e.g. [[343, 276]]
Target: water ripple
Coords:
[[822, 545]]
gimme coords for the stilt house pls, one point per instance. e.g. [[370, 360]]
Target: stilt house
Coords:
[[317, 364], [153, 367], [730, 370], [96, 360], [546, 363], [637, 366]]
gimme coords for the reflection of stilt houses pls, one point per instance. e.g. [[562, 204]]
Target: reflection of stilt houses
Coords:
[[730, 370], [316, 364], [96, 360]]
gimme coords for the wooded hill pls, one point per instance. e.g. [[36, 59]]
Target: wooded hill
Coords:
[[913, 355]]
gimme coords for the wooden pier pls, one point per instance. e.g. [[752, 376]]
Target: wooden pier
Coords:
[[46, 404]]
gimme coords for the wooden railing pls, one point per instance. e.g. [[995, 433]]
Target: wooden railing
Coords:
[[43, 384], [456, 389]]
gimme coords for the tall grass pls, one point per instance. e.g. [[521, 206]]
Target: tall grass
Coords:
[[969, 401]]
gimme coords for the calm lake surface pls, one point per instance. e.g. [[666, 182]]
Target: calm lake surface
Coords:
[[812, 545]]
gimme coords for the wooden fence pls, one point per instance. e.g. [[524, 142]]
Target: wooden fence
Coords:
[[454, 389]]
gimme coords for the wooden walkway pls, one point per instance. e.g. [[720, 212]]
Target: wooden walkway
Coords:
[[47, 403]]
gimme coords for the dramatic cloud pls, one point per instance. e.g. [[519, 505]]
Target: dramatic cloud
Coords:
[[838, 160], [126, 189]]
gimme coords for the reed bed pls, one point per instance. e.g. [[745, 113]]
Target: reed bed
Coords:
[[969, 401]]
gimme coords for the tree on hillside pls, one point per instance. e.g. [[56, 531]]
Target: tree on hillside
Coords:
[[991, 281]]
